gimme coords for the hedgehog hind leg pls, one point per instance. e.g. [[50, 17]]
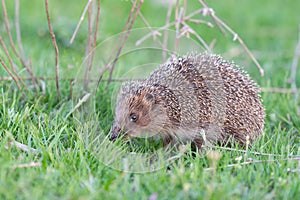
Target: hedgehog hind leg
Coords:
[[240, 138]]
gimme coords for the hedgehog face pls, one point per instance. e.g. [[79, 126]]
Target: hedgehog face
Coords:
[[137, 115]]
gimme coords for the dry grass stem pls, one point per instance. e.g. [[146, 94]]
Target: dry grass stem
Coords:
[[220, 23], [27, 165], [80, 21], [250, 162], [56, 50], [90, 29], [246, 151], [201, 40], [124, 36], [178, 18], [166, 33], [154, 33], [22, 147], [6, 23], [88, 45], [294, 67], [108, 64], [11, 74], [97, 21], [10, 62], [80, 102], [212, 44], [199, 21], [18, 30], [93, 45]]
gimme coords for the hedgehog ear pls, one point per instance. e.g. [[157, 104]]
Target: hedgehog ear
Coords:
[[149, 97]]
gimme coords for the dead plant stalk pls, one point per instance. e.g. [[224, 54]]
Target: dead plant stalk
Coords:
[[123, 38], [220, 23], [56, 50], [7, 27]]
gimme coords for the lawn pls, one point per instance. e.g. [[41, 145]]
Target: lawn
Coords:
[[69, 161]]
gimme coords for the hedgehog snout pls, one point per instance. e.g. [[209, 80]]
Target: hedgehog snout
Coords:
[[114, 132]]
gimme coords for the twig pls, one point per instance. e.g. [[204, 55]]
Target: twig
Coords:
[[18, 30], [294, 68], [192, 31], [153, 33], [235, 35], [127, 32], [138, 42], [11, 74], [20, 44], [184, 7], [56, 50], [176, 12], [108, 65], [212, 44], [10, 61], [6, 23], [169, 24], [121, 39], [88, 45], [166, 33], [199, 21], [205, 10], [192, 14], [178, 16], [24, 63], [80, 21], [97, 22], [90, 30], [92, 53]]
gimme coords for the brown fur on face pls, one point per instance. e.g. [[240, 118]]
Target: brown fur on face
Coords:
[[142, 103]]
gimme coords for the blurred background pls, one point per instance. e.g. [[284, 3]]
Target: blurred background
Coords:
[[269, 29]]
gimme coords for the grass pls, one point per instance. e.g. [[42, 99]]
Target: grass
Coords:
[[67, 170]]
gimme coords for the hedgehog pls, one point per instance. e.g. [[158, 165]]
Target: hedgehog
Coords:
[[199, 98]]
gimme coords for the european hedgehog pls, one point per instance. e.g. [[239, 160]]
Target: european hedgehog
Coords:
[[200, 98]]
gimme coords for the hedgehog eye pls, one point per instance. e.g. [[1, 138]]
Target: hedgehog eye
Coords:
[[133, 117]]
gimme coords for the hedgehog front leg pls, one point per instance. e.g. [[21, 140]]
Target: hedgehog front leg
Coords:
[[167, 140], [198, 141]]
